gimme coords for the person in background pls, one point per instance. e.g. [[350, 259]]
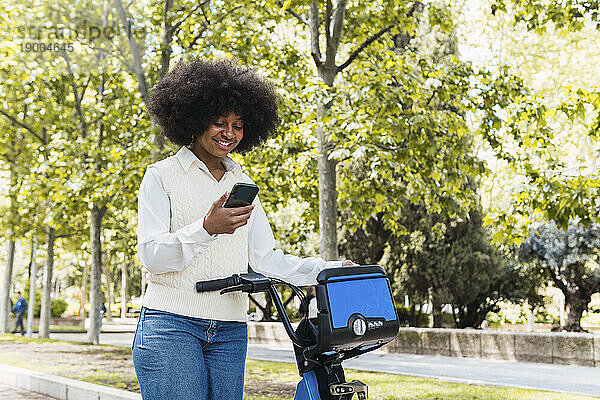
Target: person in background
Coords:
[[19, 310]]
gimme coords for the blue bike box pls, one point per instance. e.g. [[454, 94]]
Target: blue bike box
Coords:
[[355, 308]]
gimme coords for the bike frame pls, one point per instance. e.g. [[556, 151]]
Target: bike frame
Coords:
[[340, 331], [308, 387]]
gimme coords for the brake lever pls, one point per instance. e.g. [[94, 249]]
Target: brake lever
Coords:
[[249, 283], [235, 288]]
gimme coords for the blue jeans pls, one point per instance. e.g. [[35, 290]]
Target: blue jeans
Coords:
[[177, 357], [19, 323]]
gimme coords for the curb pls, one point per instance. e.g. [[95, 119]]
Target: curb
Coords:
[[59, 387]]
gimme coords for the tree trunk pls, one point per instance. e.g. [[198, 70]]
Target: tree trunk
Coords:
[[268, 309], [327, 192], [6, 282], [575, 305], [412, 315], [10, 257], [84, 288], [123, 290], [167, 38], [333, 20], [135, 52], [32, 274], [46, 309], [417, 321], [109, 293], [333, 23], [96, 215], [436, 311], [327, 175], [137, 66]]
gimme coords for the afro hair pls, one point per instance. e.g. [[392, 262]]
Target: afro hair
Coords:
[[188, 97]]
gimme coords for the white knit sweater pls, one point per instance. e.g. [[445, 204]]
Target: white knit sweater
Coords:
[[175, 291]]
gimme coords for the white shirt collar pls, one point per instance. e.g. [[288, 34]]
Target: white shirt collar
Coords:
[[187, 157]]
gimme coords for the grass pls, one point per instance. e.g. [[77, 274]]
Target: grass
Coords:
[[112, 366], [101, 364], [398, 387]]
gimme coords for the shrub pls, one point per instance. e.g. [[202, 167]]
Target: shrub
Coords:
[[448, 320], [405, 317], [542, 316], [57, 307]]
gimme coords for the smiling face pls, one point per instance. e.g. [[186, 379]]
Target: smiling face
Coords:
[[223, 134]]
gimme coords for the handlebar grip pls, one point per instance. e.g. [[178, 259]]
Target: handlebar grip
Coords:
[[217, 284]]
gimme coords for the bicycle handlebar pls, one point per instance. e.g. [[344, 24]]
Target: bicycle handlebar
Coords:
[[254, 283], [217, 284]]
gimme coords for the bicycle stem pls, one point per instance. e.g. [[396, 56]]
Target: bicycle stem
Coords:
[[285, 319]]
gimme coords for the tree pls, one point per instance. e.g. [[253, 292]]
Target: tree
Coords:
[[99, 133], [559, 178], [451, 261], [538, 14], [397, 111], [366, 245], [387, 103], [25, 118], [91, 126], [569, 259], [371, 103], [348, 30]]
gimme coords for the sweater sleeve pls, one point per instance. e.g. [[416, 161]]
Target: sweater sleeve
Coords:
[[159, 249], [274, 263]]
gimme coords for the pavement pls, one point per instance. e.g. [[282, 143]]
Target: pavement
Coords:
[[552, 377], [22, 383], [14, 393]]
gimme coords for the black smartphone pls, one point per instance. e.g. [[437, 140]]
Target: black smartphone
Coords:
[[241, 195]]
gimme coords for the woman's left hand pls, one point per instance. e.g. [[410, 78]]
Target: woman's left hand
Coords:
[[349, 263]]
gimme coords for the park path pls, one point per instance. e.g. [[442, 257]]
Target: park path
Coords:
[[553, 377], [9, 392]]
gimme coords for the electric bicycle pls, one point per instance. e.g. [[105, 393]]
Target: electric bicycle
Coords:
[[355, 315]]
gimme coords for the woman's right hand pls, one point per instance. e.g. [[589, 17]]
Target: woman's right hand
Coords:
[[226, 220]]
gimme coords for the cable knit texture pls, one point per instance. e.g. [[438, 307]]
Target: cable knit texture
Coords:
[[191, 195]]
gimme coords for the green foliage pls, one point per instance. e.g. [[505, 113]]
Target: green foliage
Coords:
[[397, 123], [508, 313], [78, 135], [366, 246], [400, 127], [408, 316], [452, 261], [563, 14], [555, 184], [57, 306], [542, 316]]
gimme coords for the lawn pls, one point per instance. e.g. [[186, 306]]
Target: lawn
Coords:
[[112, 366]]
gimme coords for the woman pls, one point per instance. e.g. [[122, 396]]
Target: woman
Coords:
[[191, 345]]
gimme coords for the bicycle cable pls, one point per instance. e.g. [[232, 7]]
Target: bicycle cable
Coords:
[[297, 291]]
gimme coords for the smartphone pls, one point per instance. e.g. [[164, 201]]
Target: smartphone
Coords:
[[241, 195]]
